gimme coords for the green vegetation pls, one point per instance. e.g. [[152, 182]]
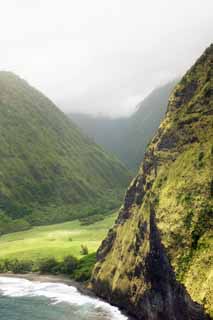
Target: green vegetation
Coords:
[[8, 224], [86, 213], [127, 138], [84, 268], [16, 266], [50, 172], [57, 240], [77, 269], [67, 248], [172, 194], [84, 250]]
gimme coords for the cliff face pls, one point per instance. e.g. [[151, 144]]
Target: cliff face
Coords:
[[157, 259]]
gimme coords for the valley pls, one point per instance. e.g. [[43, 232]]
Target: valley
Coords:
[[50, 171], [60, 192], [106, 160], [56, 240], [128, 137]]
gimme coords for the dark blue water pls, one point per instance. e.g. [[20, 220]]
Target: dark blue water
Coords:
[[36, 308], [21, 299]]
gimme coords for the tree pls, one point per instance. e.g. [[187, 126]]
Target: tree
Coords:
[[69, 264], [84, 250]]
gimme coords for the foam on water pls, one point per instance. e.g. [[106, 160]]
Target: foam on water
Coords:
[[57, 293]]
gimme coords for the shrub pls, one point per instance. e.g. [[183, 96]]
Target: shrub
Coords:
[[91, 219], [203, 224], [7, 224], [84, 269], [18, 266], [82, 276], [188, 219], [201, 156], [48, 265], [84, 250], [2, 267], [69, 264]]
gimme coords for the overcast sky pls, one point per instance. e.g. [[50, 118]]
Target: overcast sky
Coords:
[[102, 56]]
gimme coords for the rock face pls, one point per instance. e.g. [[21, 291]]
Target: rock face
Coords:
[[156, 261]]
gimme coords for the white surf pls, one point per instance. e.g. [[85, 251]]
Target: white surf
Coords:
[[57, 293]]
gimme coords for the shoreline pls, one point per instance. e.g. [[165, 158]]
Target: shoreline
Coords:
[[33, 276]]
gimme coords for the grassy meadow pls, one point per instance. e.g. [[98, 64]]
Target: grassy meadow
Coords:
[[58, 240]]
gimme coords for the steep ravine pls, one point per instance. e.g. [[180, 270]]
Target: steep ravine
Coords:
[[127, 137], [156, 261]]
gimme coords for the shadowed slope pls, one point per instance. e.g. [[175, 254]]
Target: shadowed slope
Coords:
[[163, 235], [128, 137], [45, 159]]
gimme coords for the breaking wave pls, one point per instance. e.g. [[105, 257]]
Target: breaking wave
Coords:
[[60, 293]]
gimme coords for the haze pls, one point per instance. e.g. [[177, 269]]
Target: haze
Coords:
[[102, 57]]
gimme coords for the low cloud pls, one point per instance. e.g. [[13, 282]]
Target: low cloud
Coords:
[[102, 56]]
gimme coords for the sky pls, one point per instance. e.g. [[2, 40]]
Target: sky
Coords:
[[102, 56]]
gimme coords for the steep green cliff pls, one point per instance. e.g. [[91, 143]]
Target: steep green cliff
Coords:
[[162, 240], [49, 170]]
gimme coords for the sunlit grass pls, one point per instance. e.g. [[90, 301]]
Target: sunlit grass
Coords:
[[56, 240]]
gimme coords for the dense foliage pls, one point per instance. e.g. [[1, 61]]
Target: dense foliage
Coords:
[[163, 237], [78, 269], [50, 172]]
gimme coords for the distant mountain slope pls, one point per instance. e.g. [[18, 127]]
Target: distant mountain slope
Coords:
[[45, 160], [107, 132], [144, 123], [163, 237], [128, 137]]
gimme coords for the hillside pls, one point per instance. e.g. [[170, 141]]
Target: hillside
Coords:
[[128, 137], [50, 171], [163, 235], [107, 132]]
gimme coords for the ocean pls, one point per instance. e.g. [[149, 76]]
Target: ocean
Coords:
[[21, 299]]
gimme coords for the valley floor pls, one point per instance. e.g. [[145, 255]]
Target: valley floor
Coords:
[[57, 240]]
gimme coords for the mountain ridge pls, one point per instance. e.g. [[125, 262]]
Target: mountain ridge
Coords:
[[161, 242], [46, 161]]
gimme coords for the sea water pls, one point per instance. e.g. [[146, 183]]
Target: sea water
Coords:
[[22, 299]]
